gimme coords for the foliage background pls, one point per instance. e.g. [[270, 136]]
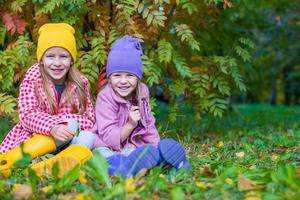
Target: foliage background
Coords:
[[203, 53]]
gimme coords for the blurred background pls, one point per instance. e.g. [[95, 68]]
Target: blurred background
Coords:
[[209, 63]]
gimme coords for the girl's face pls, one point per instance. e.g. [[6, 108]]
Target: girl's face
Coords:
[[123, 83], [57, 62]]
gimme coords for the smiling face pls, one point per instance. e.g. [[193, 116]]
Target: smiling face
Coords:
[[123, 83], [57, 62]]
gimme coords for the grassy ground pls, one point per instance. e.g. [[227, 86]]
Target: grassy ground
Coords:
[[251, 153]]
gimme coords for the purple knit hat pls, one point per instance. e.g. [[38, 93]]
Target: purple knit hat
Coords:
[[125, 56]]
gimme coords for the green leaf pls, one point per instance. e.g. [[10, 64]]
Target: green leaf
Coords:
[[68, 179], [2, 34], [186, 34], [177, 194], [181, 65], [164, 51], [97, 167], [34, 179]]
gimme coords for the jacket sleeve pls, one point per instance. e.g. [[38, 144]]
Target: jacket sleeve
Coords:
[[32, 118], [151, 136], [108, 130], [86, 120]]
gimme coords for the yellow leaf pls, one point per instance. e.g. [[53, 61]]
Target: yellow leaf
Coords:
[[82, 178], [202, 156], [274, 157], [253, 198], [240, 154], [81, 196], [46, 188], [129, 185], [220, 144], [15, 187], [200, 184], [229, 181]]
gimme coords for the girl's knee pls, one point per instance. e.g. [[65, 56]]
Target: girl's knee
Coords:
[[85, 138], [72, 124]]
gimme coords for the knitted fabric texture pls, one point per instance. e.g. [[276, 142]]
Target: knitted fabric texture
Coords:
[[125, 56], [56, 35]]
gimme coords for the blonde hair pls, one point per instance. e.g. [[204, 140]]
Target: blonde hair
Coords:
[[73, 77], [138, 93]]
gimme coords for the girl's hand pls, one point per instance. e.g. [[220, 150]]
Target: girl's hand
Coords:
[[62, 132], [134, 116]]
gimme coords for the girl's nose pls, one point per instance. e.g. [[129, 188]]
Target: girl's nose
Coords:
[[56, 61], [123, 79]]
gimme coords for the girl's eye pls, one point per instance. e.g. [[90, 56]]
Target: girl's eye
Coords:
[[64, 56], [49, 56], [130, 75], [116, 75]]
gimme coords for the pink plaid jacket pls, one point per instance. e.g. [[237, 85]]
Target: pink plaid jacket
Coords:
[[34, 110]]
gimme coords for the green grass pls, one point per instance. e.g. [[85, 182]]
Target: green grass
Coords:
[[251, 153]]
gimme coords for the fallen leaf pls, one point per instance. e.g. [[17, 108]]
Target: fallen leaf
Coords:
[[155, 196], [245, 183], [200, 184], [129, 185], [220, 144], [229, 181], [207, 171], [253, 198], [15, 187], [82, 178], [21, 192], [202, 156], [46, 188], [240, 154], [81, 196], [274, 157], [203, 147]]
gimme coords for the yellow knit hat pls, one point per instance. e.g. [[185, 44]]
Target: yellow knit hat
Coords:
[[56, 35]]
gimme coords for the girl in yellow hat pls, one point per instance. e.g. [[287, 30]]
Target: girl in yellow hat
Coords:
[[54, 104]]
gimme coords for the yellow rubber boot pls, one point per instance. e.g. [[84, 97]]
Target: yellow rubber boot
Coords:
[[66, 159], [36, 146]]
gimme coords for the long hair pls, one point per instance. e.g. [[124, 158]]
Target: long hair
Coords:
[[138, 93], [73, 78]]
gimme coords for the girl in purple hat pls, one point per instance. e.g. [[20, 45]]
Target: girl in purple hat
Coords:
[[125, 127]]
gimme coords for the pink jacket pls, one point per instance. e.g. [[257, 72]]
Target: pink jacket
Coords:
[[34, 110], [112, 114]]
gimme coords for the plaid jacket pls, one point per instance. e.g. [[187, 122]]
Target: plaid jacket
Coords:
[[34, 110]]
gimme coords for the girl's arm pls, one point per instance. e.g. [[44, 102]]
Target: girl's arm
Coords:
[[32, 118], [108, 130]]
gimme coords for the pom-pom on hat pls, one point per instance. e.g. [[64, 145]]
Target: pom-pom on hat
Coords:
[[56, 35], [125, 56]]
